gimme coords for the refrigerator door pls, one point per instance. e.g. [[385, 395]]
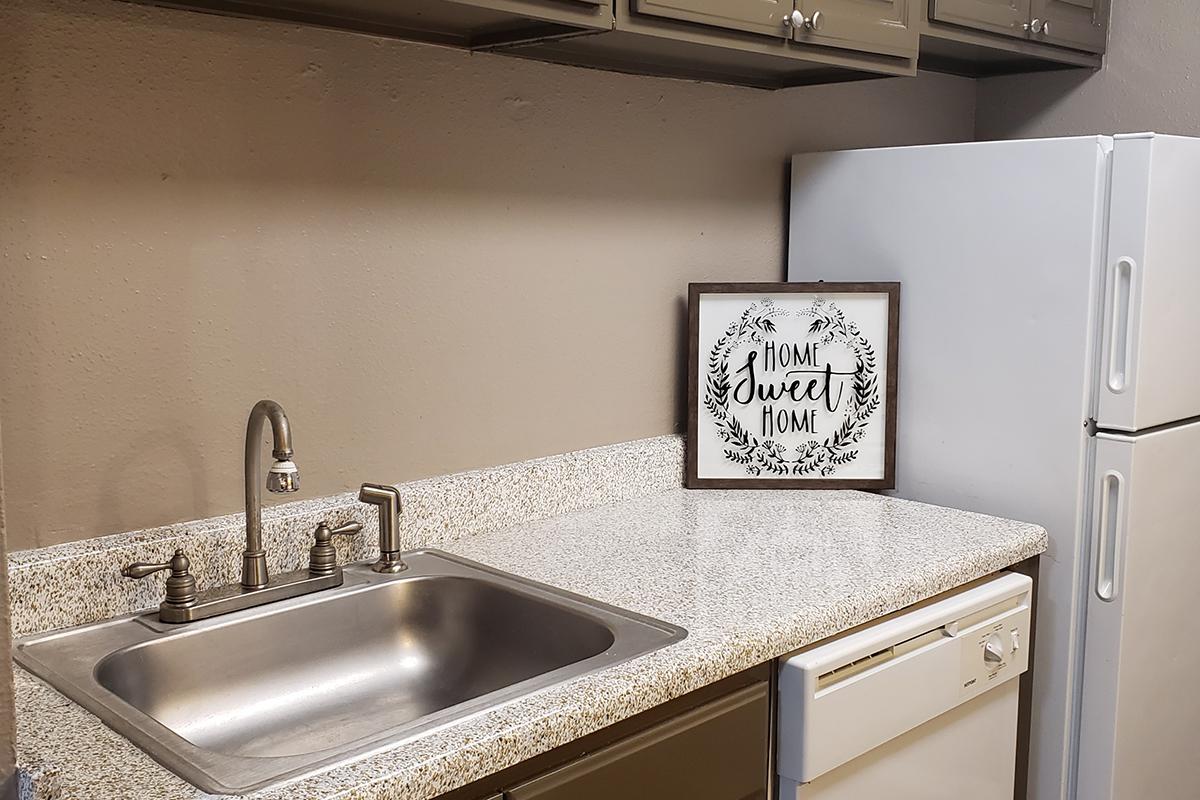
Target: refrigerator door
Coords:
[[1140, 711], [998, 246], [1149, 371]]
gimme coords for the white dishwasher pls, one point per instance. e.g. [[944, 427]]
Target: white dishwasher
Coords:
[[920, 705]]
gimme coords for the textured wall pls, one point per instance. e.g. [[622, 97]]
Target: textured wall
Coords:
[[433, 260], [1150, 81]]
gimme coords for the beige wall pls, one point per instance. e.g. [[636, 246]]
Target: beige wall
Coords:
[[1151, 81], [433, 260]]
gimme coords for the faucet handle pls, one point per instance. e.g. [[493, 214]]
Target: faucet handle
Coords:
[[181, 586], [322, 558], [349, 529]]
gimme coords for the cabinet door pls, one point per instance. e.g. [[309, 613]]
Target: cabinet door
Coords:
[[878, 26], [994, 16], [756, 16], [715, 752], [1081, 24]]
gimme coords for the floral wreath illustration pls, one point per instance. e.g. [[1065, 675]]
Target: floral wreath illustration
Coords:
[[814, 456]]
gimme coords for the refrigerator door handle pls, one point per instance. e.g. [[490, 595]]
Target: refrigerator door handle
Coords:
[[1110, 535], [1120, 320]]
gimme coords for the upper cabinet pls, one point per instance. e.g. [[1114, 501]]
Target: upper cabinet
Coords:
[[764, 17], [764, 43], [878, 26], [1005, 17], [1077, 24], [1081, 24], [472, 24], [979, 38], [874, 26]]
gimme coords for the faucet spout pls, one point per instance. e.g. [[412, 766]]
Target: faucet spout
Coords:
[[283, 477]]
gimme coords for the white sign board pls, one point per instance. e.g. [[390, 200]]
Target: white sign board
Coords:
[[792, 385]]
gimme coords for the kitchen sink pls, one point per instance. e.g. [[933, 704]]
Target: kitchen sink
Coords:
[[235, 703]]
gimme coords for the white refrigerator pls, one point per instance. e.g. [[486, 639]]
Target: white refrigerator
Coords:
[[1050, 372]]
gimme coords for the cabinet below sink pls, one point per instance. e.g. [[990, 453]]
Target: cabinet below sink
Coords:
[[711, 744]]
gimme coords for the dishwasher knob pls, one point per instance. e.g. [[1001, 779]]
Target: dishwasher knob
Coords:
[[993, 649]]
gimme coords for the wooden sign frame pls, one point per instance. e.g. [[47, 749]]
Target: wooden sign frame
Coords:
[[733, 441]]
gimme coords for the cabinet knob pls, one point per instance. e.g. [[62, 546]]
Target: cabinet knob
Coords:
[[1034, 27], [799, 21], [1046, 28]]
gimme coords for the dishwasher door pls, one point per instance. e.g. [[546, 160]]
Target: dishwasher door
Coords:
[[921, 705]]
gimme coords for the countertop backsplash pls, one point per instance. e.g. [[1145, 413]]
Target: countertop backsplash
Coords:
[[80, 582]]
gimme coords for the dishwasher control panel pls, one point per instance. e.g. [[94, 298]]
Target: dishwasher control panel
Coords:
[[993, 651], [848, 695]]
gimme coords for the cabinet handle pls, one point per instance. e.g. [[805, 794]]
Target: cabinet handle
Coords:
[[1046, 28]]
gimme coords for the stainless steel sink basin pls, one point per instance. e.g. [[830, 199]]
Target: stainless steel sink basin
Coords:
[[235, 703]]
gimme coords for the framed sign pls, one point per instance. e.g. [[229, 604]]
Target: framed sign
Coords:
[[792, 385]]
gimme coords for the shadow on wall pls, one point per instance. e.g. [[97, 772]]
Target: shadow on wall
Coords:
[[434, 260], [1011, 119]]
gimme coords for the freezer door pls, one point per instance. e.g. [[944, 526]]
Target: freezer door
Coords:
[[1140, 711], [1150, 366]]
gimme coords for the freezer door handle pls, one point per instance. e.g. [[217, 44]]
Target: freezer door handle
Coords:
[[1120, 333], [1110, 535]]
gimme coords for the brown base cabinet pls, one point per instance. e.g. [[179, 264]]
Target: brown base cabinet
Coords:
[[712, 744], [715, 752]]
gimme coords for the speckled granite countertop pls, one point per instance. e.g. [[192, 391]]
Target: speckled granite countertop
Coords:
[[751, 575]]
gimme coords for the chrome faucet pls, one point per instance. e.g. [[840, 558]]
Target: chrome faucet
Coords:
[[256, 588], [283, 477]]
